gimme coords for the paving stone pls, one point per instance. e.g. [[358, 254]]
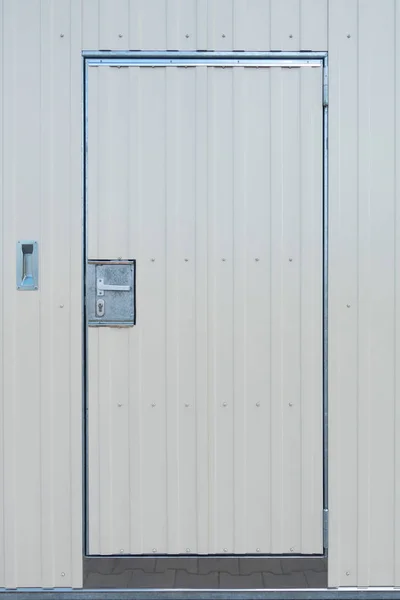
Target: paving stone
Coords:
[[222, 565], [101, 580], [140, 579], [317, 579], [291, 565], [98, 565], [259, 565], [134, 563], [194, 580], [254, 581], [186, 563], [289, 580]]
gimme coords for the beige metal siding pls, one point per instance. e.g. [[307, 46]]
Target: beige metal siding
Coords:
[[40, 541], [364, 262], [205, 24], [205, 419], [36, 543]]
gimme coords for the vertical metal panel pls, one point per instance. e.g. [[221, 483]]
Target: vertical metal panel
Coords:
[[90, 24], [314, 25], [310, 334], [343, 215], [252, 24], [147, 32], [22, 414], [285, 24], [220, 25], [201, 303], [135, 225], [113, 24], [9, 550], [363, 316], [254, 357], [201, 24], [41, 196], [216, 459], [182, 28], [377, 272]]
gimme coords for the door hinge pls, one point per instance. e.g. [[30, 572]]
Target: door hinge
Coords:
[[325, 95], [325, 528]]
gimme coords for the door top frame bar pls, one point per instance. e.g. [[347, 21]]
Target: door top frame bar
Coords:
[[171, 58]]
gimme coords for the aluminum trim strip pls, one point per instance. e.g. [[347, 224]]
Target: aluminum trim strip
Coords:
[[193, 62], [253, 59], [129, 54], [206, 594]]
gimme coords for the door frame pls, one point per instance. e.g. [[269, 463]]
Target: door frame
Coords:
[[207, 58]]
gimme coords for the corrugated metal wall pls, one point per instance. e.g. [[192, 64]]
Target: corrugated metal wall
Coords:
[[41, 409], [364, 325], [40, 473]]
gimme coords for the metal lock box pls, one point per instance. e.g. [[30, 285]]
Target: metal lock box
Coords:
[[110, 293]]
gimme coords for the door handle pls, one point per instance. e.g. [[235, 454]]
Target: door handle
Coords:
[[104, 287]]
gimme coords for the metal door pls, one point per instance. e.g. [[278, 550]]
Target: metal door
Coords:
[[204, 384]]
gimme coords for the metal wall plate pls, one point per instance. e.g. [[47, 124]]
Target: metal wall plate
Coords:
[[27, 268], [110, 293]]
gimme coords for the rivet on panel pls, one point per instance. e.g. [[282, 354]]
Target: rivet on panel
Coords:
[[291, 35], [290, 403], [258, 403], [187, 35], [121, 550], [223, 259], [257, 259], [225, 549], [186, 260], [152, 259], [290, 259], [347, 573], [119, 257], [187, 549], [292, 549], [154, 549], [153, 405], [257, 549], [61, 35], [187, 405], [348, 35], [348, 305], [120, 35], [63, 574], [223, 35], [119, 405], [61, 305], [224, 404]]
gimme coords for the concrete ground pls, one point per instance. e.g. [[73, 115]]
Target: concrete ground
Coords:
[[204, 572]]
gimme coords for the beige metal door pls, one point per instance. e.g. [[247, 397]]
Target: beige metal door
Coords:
[[205, 417]]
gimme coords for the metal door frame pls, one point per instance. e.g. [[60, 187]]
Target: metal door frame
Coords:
[[209, 58]]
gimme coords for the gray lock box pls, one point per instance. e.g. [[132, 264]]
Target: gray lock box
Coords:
[[110, 293]]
